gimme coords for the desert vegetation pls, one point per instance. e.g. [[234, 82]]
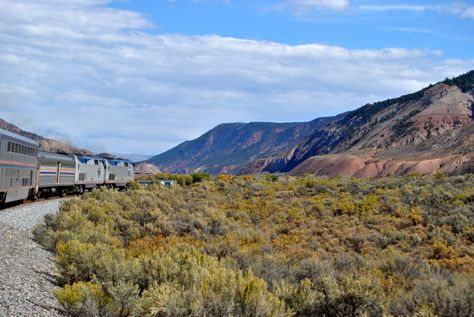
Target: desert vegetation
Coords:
[[269, 246]]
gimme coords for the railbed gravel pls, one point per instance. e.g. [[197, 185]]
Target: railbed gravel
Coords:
[[27, 271]]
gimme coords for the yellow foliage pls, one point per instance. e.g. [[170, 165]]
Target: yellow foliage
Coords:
[[82, 298], [442, 251], [416, 215]]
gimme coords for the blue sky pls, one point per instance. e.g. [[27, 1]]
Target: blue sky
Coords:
[[362, 24], [141, 76]]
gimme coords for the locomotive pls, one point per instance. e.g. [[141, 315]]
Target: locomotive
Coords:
[[28, 173]]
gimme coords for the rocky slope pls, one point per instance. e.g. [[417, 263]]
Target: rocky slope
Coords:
[[144, 169], [424, 132], [420, 127], [46, 144]]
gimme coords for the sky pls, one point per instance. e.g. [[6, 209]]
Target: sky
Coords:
[[141, 76]]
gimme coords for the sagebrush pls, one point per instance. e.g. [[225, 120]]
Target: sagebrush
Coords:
[[269, 246]]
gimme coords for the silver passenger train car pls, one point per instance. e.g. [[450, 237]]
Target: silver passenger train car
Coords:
[[90, 171], [26, 172], [18, 166], [118, 172], [57, 173]]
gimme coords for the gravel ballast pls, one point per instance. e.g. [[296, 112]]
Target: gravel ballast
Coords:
[[26, 270]]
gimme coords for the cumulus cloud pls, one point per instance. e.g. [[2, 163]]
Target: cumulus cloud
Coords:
[[87, 73]]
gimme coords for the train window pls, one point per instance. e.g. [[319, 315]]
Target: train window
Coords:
[[17, 148], [9, 146], [126, 164], [82, 176], [111, 177], [96, 162], [31, 178]]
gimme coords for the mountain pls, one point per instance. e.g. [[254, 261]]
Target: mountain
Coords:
[[46, 144], [228, 147], [428, 131], [133, 157]]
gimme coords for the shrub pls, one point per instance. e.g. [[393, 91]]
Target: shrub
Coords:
[[260, 246], [82, 299]]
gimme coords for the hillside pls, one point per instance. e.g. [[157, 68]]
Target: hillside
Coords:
[[227, 147], [46, 144], [424, 132]]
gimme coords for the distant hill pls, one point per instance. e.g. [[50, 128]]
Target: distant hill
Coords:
[[428, 131], [227, 147], [46, 144], [133, 157]]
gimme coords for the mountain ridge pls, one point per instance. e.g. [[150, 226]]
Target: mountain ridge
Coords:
[[227, 146], [408, 127], [46, 144]]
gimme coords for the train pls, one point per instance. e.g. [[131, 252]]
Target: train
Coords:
[[26, 172]]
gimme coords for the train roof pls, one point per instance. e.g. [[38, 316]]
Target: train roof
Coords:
[[18, 137], [55, 156], [119, 160], [90, 157]]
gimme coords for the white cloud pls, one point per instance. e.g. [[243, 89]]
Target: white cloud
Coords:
[[311, 4], [396, 7], [410, 30], [299, 7], [459, 9], [86, 73], [463, 11]]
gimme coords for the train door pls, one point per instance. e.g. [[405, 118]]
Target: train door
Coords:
[[58, 173], [13, 184]]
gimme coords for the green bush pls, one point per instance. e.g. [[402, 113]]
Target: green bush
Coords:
[[265, 246]]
